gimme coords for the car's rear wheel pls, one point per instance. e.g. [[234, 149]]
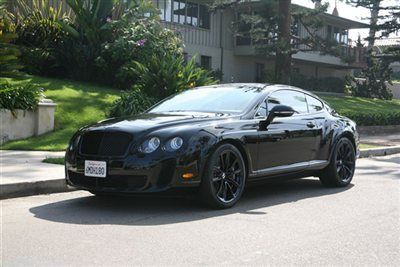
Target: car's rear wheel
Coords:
[[340, 170], [224, 177]]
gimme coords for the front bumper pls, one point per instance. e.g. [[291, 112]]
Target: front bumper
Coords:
[[133, 174]]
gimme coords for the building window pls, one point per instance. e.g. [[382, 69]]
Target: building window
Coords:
[[184, 12], [336, 34], [204, 17], [205, 62]]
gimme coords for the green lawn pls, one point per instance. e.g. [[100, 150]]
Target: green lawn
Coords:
[[362, 105], [78, 104], [59, 161]]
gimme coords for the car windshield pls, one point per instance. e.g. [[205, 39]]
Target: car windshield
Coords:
[[210, 99]]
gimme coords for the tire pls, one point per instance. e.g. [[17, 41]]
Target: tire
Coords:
[[223, 178], [340, 171]]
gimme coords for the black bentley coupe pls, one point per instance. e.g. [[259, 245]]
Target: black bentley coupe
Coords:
[[215, 139]]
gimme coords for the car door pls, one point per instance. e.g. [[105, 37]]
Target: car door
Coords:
[[287, 143]]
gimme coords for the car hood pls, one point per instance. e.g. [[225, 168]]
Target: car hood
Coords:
[[151, 121]]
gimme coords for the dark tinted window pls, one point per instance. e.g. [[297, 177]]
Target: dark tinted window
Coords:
[[294, 99], [210, 99], [314, 105]]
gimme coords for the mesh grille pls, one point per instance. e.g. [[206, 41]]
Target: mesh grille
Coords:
[[119, 182], [105, 143]]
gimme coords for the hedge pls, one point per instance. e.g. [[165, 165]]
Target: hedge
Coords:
[[373, 119]]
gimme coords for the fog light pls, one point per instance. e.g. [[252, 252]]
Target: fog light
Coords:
[[187, 175]]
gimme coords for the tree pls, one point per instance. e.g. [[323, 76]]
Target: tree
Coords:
[[273, 26], [384, 20], [9, 53]]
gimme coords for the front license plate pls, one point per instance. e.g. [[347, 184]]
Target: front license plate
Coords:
[[95, 168]]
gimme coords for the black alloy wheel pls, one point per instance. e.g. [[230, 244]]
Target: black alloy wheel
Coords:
[[224, 177], [345, 161], [340, 170]]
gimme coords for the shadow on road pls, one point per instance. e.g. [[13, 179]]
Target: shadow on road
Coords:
[[145, 211]]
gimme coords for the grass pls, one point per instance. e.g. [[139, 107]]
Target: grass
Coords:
[[78, 104], [362, 105], [81, 103], [59, 161], [367, 146]]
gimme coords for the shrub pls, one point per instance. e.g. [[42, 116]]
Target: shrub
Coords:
[[25, 97], [135, 37], [9, 53], [39, 34], [377, 75], [131, 103], [162, 78], [371, 119], [324, 84]]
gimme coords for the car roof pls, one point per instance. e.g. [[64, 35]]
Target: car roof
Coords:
[[265, 87]]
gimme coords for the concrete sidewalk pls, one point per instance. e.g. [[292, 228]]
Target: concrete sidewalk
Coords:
[[381, 140], [24, 173]]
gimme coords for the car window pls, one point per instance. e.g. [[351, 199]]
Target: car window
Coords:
[[294, 99], [314, 105], [262, 110]]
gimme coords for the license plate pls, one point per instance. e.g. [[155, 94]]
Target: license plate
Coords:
[[95, 168]]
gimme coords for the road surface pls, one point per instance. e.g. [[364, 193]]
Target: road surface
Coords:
[[297, 222]]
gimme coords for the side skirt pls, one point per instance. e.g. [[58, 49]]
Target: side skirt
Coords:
[[287, 170]]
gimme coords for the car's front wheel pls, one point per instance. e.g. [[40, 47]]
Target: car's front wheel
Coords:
[[224, 177], [340, 170]]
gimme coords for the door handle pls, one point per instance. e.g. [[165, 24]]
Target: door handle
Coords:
[[310, 125]]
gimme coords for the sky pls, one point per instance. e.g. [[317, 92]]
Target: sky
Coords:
[[347, 11]]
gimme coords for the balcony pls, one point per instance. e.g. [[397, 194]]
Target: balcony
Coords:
[[350, 57]]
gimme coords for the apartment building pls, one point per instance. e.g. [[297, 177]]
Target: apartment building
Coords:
[[210, 36]]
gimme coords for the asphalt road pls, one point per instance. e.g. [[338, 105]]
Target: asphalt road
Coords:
[[297, 222]]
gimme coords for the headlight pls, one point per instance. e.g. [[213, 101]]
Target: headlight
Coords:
[[150, 145], [174, 143]]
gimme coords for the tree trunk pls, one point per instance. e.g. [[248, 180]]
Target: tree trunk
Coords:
[[283, 52], [373, 22]]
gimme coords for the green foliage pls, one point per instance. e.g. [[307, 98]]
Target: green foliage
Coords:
[[25, 97], [371, 119], [131, 103], [78, 104], [86, 32], [9, 53], [135, 37], [366, 111], [324, 84], [39, 34], [59, 161], [162, 78], [376, 77]]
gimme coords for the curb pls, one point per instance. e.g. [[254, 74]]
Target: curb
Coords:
[[33, 188], [380, 151]]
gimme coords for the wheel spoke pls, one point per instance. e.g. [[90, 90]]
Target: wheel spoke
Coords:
[[348, 170], [225, 191], [230, 190], [222, 161], [227, 161], [217, 179], [233, 182], [221, 188]]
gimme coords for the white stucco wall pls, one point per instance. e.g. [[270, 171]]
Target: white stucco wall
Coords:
[[25, 124]]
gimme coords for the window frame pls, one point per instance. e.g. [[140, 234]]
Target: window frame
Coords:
[[258, 107], [308, 107]]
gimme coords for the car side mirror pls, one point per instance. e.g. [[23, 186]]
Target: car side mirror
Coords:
[[277, 111]]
